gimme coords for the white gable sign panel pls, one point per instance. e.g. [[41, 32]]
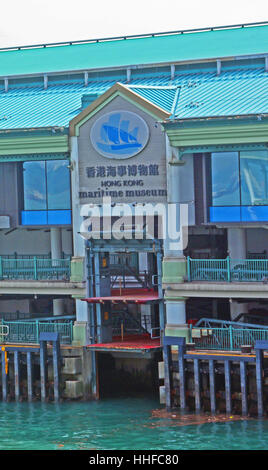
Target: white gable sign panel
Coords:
[[122, 155]]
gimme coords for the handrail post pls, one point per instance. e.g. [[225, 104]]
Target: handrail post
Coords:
[[71, 327], [37, 330], [189, 268], [231, 337], [1, 268], [228, 269], [35, 268]]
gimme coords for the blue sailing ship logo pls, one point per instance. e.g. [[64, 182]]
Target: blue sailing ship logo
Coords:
[[119, 135]]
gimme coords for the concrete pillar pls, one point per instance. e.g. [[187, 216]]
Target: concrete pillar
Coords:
[[237, 243], [81, 329], [236, 308], [81, 311], [56, 253], [176, 312], [176, 318], [58, 307], [237, 249], [56, 243]]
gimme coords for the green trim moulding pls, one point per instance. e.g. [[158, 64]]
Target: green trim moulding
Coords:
[[203, 135], [34, 157], [34, 145]]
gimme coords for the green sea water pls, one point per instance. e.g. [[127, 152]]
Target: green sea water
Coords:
[[116, 424]]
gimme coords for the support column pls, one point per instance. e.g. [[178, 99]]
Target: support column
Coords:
[[181, 360], [228, 394], [98, 293], [237, 243], [168, 375], [212, 386], [237, 249], [56, 243], [4, 375], [43, 369], [176, 234], [29, 375], [236, 308], [243, 381], [58, 307], [56, 253], [259, 380], [197, 385], [176, 317], [160, 292], [56, 369]]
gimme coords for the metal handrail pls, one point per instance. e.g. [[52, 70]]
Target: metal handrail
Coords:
[[34, 268], [227, 270], [227, 339], [28, 331], [207, 322]]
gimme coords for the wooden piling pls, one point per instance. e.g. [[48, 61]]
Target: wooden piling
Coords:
[[259, 380], [228, 396], [243, 382], [56, 369], [17, 375], [29, 376], [181, 360], [43, 368], [4, 376], [212, 386], [197, 385]]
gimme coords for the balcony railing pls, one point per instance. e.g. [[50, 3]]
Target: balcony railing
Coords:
[[227, 270], [28, 331], [35, 269]]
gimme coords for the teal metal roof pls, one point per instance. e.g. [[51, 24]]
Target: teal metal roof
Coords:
[[162, 96], [155, 49], [229, 94], [189, 95]]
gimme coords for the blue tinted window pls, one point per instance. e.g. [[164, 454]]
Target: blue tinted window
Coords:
[[34, 183], [254, 173], [46, 185], [58, 185], [225, 179]]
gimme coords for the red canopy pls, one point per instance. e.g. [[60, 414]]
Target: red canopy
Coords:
[[137, 296]]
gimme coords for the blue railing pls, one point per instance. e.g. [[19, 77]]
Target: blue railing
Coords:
[[227, 339], [218, 323], [35, 269], [227, 270], [28, 331]]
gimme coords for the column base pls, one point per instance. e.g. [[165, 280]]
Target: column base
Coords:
[[80, 334], [174, 270], [178, 331]]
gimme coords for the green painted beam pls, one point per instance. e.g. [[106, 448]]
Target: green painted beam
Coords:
[[217, 134], [34, 157], [33, 145]]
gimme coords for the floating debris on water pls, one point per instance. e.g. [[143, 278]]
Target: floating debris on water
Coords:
[[184, 419]]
